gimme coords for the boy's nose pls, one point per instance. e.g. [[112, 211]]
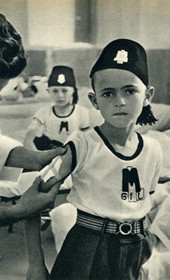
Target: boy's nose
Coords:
[[119, 101], [60, 93]]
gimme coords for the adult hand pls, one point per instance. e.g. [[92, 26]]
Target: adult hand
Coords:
[[45, 157], [33, 200]]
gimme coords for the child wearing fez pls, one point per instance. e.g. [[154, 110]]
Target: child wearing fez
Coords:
[[114, 171], [52, 124]]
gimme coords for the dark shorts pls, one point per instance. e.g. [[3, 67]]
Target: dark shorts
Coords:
[[88, 255], [44, 143]]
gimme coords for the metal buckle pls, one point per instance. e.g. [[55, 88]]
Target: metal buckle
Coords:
[[125, 228]]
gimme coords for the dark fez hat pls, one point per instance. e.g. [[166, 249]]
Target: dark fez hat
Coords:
[[123, 54], [62, 76]]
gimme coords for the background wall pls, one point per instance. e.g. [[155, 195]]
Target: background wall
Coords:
[[73, 32], [146, 21], [50, 22]]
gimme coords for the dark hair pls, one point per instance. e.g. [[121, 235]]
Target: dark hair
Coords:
[[13, 57], [75, 96], [146, 116]]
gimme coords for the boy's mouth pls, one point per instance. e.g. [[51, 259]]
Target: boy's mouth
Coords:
[[60, 101], [120, 114]]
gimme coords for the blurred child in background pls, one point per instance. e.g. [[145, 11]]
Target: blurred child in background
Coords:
[[51, 126]]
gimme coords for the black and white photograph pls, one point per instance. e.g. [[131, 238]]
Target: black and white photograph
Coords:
[[84, 140]]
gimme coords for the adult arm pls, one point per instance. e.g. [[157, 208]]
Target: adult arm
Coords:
[[31, 202], [33, 160]]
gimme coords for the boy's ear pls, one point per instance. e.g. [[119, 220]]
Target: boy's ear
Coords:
[[148, 96], [93, 100]]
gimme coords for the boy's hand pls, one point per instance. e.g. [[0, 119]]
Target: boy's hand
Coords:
[[37, 273], [33, 200], [45, 157]]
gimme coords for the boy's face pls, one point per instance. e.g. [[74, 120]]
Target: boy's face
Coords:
[[120, 96], [61, 95], [3, 83]]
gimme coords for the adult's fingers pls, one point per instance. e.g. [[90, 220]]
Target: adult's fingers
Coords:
[[37, 182], [53, 181], [55, 188], [46, 187], [58, 151]]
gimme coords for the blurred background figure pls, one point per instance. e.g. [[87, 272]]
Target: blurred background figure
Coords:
[[52, 124], [19, 89], [50, 127]]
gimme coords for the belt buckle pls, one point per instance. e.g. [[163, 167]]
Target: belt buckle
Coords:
[[125, 228]]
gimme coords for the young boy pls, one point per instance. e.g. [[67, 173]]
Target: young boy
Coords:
[[52, 124], [114, 171]]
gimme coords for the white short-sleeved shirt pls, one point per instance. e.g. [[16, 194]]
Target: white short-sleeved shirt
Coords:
[[109, 184], [59, 128]]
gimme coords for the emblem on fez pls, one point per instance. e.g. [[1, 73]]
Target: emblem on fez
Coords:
[[61, 79], [121, 57]]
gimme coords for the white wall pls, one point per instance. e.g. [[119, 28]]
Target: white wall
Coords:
[[146, 21], [51, 22], [155, 23]]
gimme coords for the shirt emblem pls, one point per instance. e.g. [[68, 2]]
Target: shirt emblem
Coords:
[[61, 79], [121, 57], [131, 188]]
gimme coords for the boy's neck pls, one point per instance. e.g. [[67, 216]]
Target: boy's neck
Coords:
[[64, 110], [118, 136]]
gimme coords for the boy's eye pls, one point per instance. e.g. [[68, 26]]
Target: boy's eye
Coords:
[[130, 91], [108, 94], [64, 90], [55, 91]]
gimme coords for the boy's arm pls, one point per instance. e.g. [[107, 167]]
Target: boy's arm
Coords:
[[60, 167], [33, 160], [29, 140], [33, 130], [37, 269]]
